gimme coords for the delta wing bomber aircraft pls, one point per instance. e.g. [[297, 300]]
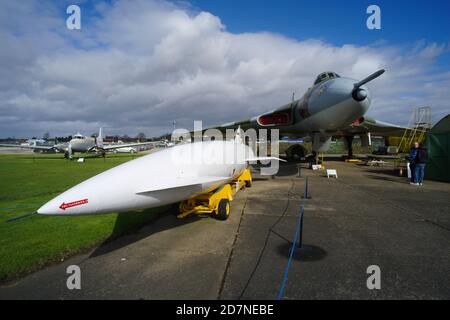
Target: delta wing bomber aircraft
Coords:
[[333, 107]]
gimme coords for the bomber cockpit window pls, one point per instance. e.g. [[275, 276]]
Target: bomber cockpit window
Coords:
[[320, 78], [325, 76]]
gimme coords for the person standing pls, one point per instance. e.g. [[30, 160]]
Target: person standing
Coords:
[[420, 163], [412, 161]]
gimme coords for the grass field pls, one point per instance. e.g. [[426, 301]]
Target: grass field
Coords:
[[26, 183]]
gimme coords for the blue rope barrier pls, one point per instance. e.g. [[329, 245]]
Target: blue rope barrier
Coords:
[[286, 271]]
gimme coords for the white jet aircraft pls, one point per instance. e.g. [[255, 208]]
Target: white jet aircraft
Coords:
[[82, 144]]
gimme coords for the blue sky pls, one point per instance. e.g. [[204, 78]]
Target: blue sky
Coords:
[[135, 66], [338, 22]]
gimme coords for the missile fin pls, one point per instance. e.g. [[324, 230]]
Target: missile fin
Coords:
[[256, 159], [184, 183]]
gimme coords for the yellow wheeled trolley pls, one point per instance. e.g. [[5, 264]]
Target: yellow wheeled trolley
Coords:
[[216, 203]]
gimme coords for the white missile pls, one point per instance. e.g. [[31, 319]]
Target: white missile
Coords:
[[165, 177]]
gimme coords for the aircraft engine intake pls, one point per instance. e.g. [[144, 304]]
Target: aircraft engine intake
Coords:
[[359, 94]]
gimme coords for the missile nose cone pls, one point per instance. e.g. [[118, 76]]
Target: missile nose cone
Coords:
[[69, 204], [50, 208]]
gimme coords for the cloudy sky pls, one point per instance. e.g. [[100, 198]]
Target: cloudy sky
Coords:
[[136, 66]]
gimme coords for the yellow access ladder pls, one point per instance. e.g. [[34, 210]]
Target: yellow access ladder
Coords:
[[418, 125]]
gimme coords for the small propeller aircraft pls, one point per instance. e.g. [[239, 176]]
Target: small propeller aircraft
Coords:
[[82, 144]]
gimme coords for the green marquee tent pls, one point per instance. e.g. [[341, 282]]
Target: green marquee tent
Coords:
[[438, 145]]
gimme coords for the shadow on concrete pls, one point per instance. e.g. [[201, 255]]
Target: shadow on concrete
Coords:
[[123, 235], [385, 171], [285, 170], [260, 179], [381, 178], [384, 174], [310, 253]]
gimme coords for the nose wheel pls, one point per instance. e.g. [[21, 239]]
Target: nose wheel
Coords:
[[349, 140]]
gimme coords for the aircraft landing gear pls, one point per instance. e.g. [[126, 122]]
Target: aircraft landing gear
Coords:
[[295, 153], [349, 140], [313, 159], [68, 155]]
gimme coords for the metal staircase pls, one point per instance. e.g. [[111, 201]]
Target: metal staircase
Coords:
[[419, 123]]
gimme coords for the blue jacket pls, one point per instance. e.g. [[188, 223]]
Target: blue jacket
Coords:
[[413, 154]]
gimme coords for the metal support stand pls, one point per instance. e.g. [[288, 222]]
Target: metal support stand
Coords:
[[306, 195], [299, 247], [300, 234]]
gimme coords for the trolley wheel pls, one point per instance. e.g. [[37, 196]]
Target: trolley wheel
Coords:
[[248, 184], [174, 209], [223, 211]]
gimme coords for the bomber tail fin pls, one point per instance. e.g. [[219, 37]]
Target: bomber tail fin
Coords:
[[100, 138]]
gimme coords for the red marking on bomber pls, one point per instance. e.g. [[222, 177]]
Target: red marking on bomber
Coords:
[[358, 122], [274, 119], [64, 205]]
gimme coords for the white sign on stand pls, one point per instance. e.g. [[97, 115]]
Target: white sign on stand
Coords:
[[332, 173]]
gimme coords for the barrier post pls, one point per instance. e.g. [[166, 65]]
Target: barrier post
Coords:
[[300, 234], [299, 170], [306, 195]]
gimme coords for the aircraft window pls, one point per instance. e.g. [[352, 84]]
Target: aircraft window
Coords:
[[325, 76]]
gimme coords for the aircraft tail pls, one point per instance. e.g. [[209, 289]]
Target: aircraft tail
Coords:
[[100, 138]]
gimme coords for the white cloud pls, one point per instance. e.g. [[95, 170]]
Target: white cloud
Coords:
[[137, 66]]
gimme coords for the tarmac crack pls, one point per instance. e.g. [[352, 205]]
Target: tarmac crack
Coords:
[[230, 256]]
